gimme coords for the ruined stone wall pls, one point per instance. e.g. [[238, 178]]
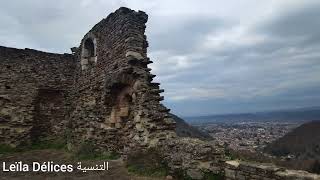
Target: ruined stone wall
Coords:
[[33, 91], [194, 159], [240, 170], [102, 93], [115, 103]]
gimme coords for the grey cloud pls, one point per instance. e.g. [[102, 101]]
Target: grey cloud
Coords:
[[298, 22], [49, 25], [215, 61], [299, 25], [184, 34], [276, 73]]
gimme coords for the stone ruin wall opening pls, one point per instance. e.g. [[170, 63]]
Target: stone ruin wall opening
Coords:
[[88, 53], [25, 75], [122, 101], [50, 112], [108, 108]]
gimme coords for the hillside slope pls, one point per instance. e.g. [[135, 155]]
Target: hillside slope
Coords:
[[183, 129], [303, 142]]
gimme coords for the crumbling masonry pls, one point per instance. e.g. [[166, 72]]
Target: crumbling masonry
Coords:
[[102, 92]]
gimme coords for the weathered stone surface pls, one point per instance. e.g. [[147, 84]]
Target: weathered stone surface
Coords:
[[135, 55], [230, 173], [249, 170], [192, 156], [94, 93], [195, 173], [297, 175], [33, 94], [103, 93]]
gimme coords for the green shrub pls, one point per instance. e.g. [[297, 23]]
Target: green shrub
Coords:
[[213, 176], [147, 171], [44, 144], [181, 174], [147, 163], [6, 149], [88, 151], [57, 144]]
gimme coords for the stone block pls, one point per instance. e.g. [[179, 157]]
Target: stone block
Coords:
[[135, 55], [230, 173]]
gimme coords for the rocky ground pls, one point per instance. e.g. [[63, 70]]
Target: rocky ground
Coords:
[[117, 169]]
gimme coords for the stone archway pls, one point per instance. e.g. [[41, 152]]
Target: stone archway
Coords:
[[89, 49], [122, 102], [88, 53]]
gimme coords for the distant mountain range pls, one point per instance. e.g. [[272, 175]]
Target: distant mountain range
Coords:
[[296, 115], [183, 129]]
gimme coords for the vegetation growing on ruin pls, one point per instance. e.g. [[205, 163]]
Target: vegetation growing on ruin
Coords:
[[148, 163], [212, 176], [88, 151], [182, 174], [6, 149], [57, 144]]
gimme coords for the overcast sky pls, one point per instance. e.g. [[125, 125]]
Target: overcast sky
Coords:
[[210, 56]]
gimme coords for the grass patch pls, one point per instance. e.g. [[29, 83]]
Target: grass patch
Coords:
[[147, 171], [147, 163], [181, 174], [213, 176], [98, 156], [6, 149], [87, 151], [57, 144]]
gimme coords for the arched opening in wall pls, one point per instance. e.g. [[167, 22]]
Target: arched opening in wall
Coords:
[[88, 54], [122, 102], [89, 48]]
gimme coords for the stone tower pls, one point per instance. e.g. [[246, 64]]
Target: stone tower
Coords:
[[114, 101]]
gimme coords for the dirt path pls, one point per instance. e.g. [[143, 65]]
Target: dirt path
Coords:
[[117, 169]]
